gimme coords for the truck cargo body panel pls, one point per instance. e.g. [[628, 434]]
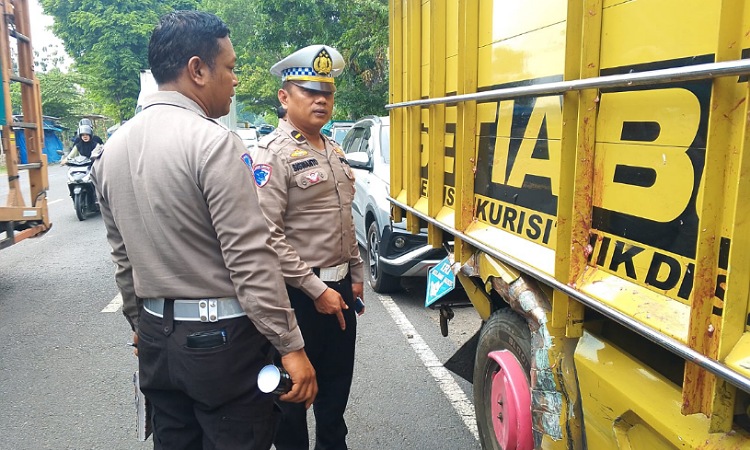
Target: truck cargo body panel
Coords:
[[631, 196]]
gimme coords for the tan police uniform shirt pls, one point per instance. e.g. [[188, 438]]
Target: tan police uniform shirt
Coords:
[[183, 219], [307, 196]]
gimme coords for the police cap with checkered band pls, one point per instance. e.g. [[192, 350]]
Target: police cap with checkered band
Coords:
[[312, 67]]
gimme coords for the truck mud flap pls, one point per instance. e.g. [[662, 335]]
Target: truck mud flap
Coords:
[[462, 362]]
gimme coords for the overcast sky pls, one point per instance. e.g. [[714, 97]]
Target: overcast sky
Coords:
[[41, 34]]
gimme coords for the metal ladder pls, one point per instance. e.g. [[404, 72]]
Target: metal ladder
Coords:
[[17, 219]]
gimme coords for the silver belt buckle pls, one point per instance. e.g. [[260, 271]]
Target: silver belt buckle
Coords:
[[343, 269], [335, 273], [213, 310], [328, 273], [208, 310], [203, 310]]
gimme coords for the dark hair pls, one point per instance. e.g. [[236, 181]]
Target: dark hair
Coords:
[[281, 112], [179, 36]]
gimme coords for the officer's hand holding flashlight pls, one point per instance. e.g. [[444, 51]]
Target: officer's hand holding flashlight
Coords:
[[304, 384]]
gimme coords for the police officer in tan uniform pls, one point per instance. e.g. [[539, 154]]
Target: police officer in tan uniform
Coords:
[[200, 281], [306, 189]]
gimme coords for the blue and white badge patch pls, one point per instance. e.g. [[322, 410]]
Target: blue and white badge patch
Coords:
[[262, 174], [248, 161]]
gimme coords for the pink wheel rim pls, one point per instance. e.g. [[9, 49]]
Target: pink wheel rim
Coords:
[[510, 402]]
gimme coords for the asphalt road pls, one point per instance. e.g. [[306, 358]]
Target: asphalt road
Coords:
[[66, 371]]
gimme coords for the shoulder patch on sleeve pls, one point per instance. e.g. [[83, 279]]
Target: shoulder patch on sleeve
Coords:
[[248, 160], [262, 174]]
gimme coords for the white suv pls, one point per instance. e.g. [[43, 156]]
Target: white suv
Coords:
[[392, 252]]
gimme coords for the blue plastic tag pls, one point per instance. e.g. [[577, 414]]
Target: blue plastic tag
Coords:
[[440, 281]]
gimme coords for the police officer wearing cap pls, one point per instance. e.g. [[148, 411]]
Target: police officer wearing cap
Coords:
[[306, 189], [200, 281]]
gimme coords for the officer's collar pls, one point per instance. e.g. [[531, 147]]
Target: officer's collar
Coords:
[[173, 98], [295, 134]]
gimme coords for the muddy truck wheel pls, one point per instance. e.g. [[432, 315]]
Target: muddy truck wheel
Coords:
[[502, 397]]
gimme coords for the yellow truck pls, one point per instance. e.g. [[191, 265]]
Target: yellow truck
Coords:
[[588, 162]]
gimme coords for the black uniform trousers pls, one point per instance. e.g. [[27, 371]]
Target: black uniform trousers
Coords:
[[205, 399], [331, 352]]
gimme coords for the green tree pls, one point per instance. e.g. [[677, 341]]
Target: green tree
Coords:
[[62, 96], [50, 57], [365, 46], [108, 40], [265, 31]]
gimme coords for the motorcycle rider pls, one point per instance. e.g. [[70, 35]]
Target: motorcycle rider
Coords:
[[84, 144]]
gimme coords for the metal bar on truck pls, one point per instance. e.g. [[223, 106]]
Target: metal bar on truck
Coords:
[[652, 77], [395, 68], [436, 121], [466, 118], [667, 342]]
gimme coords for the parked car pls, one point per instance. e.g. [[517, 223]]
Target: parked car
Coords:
[[249, 137], [265, 129], [392, 252], [337, 130]]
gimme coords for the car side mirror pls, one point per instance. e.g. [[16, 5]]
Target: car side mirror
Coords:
[[359, 160]]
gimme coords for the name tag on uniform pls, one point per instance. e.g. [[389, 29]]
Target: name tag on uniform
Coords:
[[299, 166]]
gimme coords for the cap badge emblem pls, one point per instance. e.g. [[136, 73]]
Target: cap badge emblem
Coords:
[[323, 63]]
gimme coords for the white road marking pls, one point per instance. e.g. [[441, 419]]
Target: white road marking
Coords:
[[54, 201], [114, 305], [448, 385]]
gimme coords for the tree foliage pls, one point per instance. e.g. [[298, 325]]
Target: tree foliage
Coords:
[[50, 57], [62, 96], [108, 40], [264, 31]]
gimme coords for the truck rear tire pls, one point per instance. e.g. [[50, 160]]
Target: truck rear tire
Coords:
[[504, 330], [379, 281]]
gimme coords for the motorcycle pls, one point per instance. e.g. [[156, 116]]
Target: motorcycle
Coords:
[[81, 188]]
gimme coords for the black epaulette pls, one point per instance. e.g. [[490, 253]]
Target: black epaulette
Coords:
[[297, 136]]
